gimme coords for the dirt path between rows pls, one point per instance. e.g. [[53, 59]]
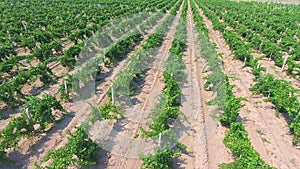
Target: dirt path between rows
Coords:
[[205, 138], [276, 71], [36, 88], [268, 134], [39, 146], [270, 66], [127, 131]]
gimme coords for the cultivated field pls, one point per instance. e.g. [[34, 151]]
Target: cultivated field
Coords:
[[149, 84], [278, 1]]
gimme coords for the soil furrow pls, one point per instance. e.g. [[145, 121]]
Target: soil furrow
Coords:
[[147, 97], [204, 141], [56, 137], [268, 134]]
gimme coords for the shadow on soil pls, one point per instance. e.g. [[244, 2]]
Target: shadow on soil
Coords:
[[22, 160]]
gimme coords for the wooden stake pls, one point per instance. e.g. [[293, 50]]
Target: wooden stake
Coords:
[[28, 114], [260, 45], [24, 26], [159, 140], [284, 63], [10, 38], [66, 87], [112, 95], [258, 66]]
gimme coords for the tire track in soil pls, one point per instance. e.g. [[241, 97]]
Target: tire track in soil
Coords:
[[131, 128], [269, 134], [56, 137], [204, 141]]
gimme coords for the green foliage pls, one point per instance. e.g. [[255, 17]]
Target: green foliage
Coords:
[[79, 151], [174, 65], [44, 51], [39, 112], [6, 50], [163, 155], [41, 109], [16, 129], [172, 91], [65, 94], [129, 79], [42, 34], [198, 19], [110, 111], [237, 139], [226, 101], [106, 111], [272, 36], [69, 57], [8, 64], [231, 109], [168, 108], [239, 144], [161, 159], [153, 41], [44, 73], [283, 96], [120, 50], [10, 92]]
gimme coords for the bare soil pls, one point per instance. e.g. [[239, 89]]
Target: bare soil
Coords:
[[138, 113], [268, 133], [35, 149], [205, 135]]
